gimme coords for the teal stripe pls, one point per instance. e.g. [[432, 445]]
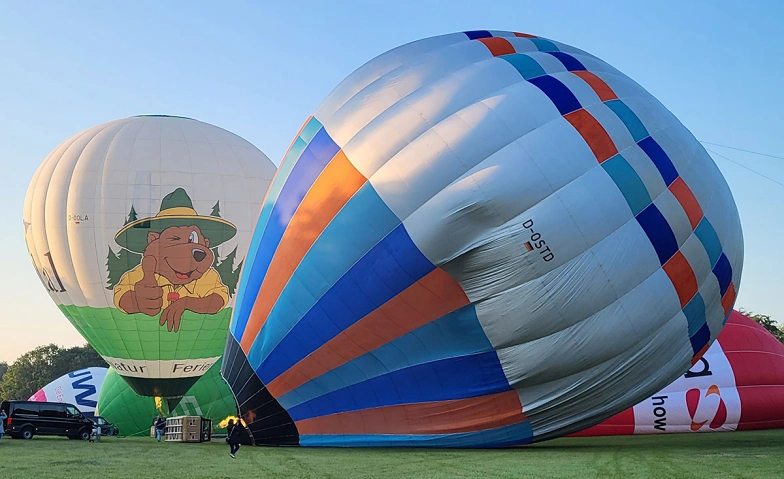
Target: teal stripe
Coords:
[[310, 130], [710, 240], [504, 436], [695, 314], [544, 45], [525, 65], [630, 184], [627, 116]]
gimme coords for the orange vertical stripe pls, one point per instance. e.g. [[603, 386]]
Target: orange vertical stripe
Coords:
[[498, 46], [593, 133], [728, 299], [426, 300], [524, 35], [329, 193], [442, 417], [682, 277], [686, 198], [599, 86]]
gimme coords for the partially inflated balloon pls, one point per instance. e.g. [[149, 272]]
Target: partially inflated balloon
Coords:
[[737, 385], [479, 239], [138, 228], [80, 388], [210, 397]]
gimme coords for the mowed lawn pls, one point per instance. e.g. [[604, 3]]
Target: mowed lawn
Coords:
[[741, 454]]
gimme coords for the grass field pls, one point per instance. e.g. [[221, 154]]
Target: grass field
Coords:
[[717, 455]]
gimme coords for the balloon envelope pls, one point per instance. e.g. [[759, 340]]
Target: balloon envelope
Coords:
[[463, 247], [80, 388], [737, 385], [182, 194], [209, 397]]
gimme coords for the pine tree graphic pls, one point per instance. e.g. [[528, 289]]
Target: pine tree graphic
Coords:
[[119, 263], [131, 216], [229, 275], [216, 210]]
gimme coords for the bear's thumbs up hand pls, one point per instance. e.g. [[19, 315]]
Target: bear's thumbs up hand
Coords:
[[149, 296], [149, 263]]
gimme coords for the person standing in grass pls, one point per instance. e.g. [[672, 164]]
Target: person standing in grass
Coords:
[[160, 426], [3, 417], [234, 437]]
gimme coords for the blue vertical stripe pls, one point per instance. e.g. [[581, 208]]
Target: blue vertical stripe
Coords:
[[476, 34], [572, 64], [559, 94], [660, 159], [723, 272], [700, 339], [659, 232]]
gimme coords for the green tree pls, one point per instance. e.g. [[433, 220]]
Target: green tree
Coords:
[[37, 368], [30, 372], [766, 322], [3, 369], [81, 357]]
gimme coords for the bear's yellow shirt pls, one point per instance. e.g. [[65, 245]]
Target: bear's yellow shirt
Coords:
[[209, 283]]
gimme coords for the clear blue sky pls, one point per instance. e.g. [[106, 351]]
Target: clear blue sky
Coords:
[[258, 71]]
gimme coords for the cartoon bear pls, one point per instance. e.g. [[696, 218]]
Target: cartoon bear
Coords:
[[176, 271]]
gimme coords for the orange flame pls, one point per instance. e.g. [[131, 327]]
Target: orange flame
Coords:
[[225, 423], [159, 406]]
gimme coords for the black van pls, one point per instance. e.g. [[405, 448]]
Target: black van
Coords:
[[29, 418]]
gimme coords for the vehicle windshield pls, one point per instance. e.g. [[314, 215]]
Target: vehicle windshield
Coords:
[[72, 412]]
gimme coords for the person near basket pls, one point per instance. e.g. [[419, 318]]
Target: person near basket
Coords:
[[160, 426], [233, 438]]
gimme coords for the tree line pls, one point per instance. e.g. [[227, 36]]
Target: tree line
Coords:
[[37, 368]]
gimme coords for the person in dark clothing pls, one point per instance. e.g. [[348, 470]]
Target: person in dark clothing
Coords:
[[233, 438], [160, 427]]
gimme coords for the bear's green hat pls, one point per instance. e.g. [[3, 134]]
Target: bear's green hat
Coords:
[[176, 210]]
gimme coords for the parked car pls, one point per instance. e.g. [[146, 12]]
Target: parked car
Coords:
[[107, 428], [29, 418]]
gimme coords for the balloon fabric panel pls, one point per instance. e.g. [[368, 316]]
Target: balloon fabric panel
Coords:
[[134, 227], [505, 224]]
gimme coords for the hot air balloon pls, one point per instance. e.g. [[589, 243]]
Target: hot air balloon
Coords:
[[479, 239], [80, 388], [738, 385], [137, 228], [209, 397]]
